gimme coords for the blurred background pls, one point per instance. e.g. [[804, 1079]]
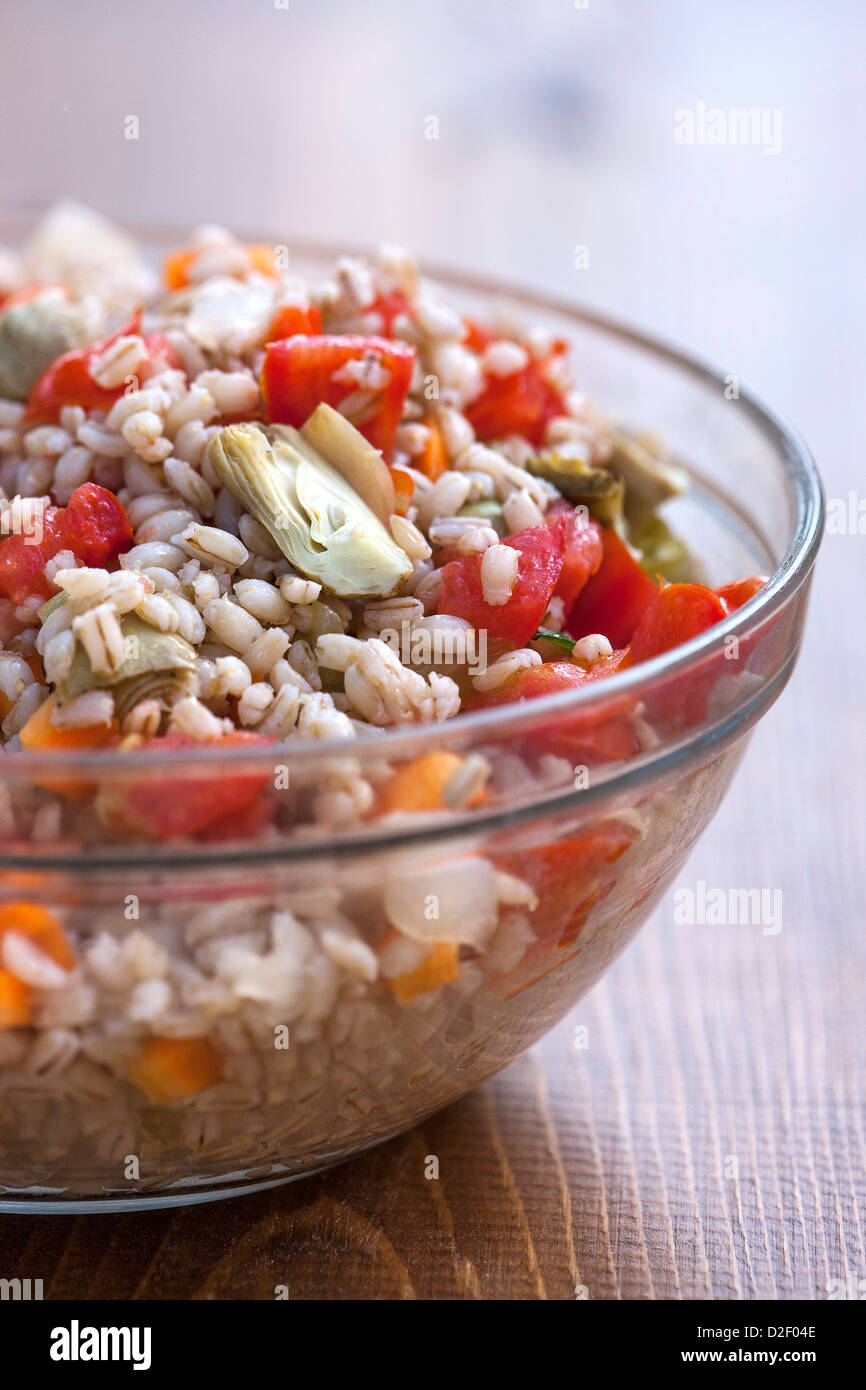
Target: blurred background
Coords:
[[501, 135]]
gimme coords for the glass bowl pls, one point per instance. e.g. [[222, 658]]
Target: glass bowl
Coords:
[[285, 1023]]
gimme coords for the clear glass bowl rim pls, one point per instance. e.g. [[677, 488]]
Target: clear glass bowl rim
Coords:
[[803, 486]]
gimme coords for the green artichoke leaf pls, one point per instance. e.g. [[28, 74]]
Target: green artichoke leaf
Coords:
[[316, 519]]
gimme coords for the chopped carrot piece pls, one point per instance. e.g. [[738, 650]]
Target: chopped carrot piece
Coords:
[[434, 460], [169, 1068], [5, 705], [440, 968], [418, 786], [39, 926], [14, 1001], [176, 268], [262, 260], [404, 489], [40, 734]]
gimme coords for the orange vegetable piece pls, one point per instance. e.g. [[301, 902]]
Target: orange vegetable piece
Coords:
[[176, 268], [434, 460], [41, 927], [404, 489], [39, 734], [14, 1001], [262, 259], [169, 1068], [177, 265], [418, 786], [440, 968]]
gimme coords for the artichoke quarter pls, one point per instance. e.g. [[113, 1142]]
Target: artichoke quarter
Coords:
[[318, 521]]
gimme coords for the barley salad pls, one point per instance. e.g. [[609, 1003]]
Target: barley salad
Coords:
[[239, 510]]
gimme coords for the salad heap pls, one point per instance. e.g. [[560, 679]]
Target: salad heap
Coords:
[[241, 512], [236, 509]]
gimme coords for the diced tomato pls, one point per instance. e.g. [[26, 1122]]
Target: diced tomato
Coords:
[[166, 808], [567, 877], [389, 306], [522, 403], [551, 678], [301, 372], [94, 526], [606, 734], [677, 613], [68, 381], [539, 568], [23, 559], [292, 319], [734, 595], [582, 550], [97, 527], [613, 600], [477, 335]]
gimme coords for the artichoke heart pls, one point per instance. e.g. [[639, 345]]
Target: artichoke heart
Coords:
[[649, 478], [148, 653], [32, 335], [318, 521], [346, 449], [597, 489]]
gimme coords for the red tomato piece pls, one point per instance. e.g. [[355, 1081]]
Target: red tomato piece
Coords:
[[567, 877], [582, 550], [389, 306], [94, 526], [165, 808], [538, 571], [68, 381], [23, 558], [292, 319], [604, 735], [97, 527], [522, 403], [301, 372], [734, 595], [614, 598], [677, 613]]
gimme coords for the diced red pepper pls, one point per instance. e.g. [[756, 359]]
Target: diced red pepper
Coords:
[[538, 570], [68, 381], [94, 526], [521, 403], [677, 613], [301, 372], [734, 595], [292, 319], [614, 599], [166, 808], [477, 336]]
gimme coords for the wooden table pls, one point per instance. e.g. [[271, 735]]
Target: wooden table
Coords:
[[710, 1141]]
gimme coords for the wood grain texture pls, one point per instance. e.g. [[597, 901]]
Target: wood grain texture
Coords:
[[607, 1168]]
